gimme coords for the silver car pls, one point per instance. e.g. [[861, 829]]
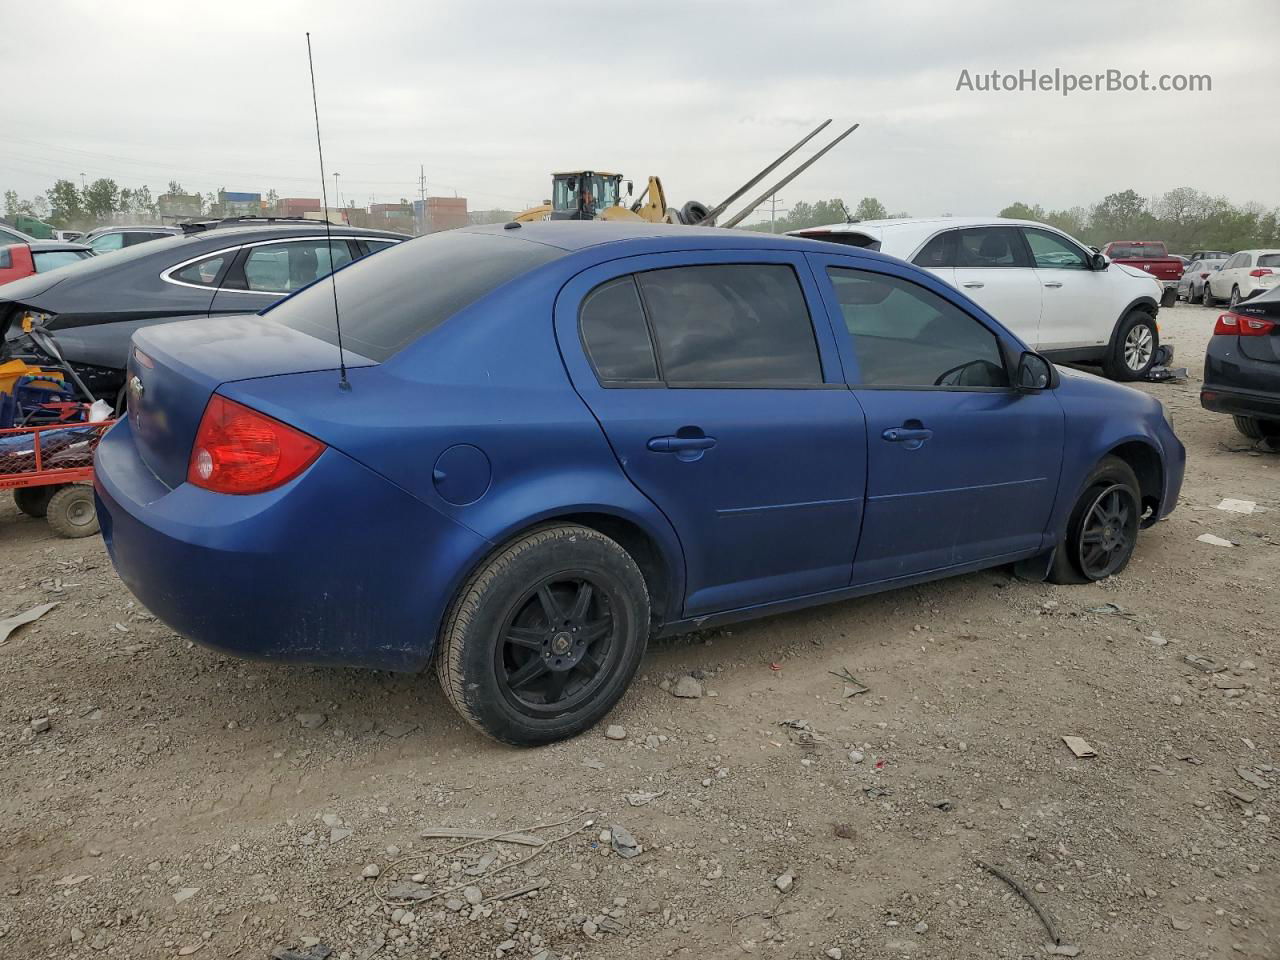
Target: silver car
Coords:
[[1191, 286]]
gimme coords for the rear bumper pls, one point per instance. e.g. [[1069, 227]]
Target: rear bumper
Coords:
[[338, 567], [1240, 403]]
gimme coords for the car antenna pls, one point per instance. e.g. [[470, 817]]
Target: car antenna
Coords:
[[343, 382]]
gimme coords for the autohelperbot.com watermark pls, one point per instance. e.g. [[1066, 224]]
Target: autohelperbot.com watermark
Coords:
[[1065, 83]]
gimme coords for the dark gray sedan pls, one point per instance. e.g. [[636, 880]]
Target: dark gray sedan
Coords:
[[94, 307]]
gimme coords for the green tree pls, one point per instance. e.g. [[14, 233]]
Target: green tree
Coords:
[[1121, 216], [174, 188], [1023, 211], [65, 208], [101, 198], [12, 205], [869, 208]]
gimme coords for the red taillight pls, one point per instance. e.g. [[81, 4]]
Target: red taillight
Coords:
[[1204, 276], [1239, 325], [239, 450], [1260, 272]]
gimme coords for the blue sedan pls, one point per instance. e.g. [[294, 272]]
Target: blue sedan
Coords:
[[552, 441]]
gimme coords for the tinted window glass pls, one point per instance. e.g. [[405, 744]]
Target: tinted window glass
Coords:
[[6, 259], [44, 262], [1051, 252], [989, 247], [107, 242], [8, 238], [1246, 260], [376, 245], [1269, 260], [413, 287], [731, 323], [938, 252], [202, 272], [905, 335], [283, 267], [615, 334]]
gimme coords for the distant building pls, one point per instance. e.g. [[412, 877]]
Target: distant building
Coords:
[[234, 204], [296, 206], [176, 206], [440, 213]]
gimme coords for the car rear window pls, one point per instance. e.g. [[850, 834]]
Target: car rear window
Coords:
[[1269, 260], [53, 259], [391, 299], [1135, 251]]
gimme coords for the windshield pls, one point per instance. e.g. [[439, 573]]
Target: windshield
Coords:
[[391, 299], [590, 192]]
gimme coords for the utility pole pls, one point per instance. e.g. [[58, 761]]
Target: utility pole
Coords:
[[337, 197], [773, 212], [422, 195], [82, 181]]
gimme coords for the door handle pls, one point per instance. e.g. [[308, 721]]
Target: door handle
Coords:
[[908, 435], [973, 284], [677, 444], [1053, 283]]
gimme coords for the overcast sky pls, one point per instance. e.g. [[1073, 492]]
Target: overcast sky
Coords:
[[491, 97]]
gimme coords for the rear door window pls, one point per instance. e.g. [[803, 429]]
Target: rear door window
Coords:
[[731, 324], [285, 267], [938, 252], [104, 243]]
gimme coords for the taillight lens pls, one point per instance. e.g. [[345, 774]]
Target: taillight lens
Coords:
[[1260, 272], [239, 450], [1204, 276], [1239, 325]]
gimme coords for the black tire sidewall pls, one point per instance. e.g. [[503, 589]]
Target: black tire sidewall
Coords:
[[466, 661], [1116, 368], [58, 515], [34, 501], [1111, 470]]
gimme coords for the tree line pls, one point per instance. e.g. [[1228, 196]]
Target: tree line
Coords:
[[1185, 219], [68, 206]]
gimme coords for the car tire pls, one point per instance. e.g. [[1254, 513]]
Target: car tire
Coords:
[[72, 512], [34, 501], [1234, 300], [1206, 295], [526, 656], [1255, 428], [1096, 547], [1133, 349]]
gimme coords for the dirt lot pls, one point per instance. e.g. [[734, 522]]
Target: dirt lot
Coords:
[[177, 805]]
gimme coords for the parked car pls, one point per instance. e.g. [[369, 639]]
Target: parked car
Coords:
[[69, 236], [1244, 275], [1068, 303], [1242, 367], [561, 438], [1209, 255], [20, 260], [10, 235], [1153, 257], [1191, 286], [94, 307], [110, 239]]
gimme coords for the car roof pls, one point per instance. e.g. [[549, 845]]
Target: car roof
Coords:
[[573, 235]]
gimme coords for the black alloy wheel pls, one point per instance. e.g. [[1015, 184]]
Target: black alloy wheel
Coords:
[[1109, 532]]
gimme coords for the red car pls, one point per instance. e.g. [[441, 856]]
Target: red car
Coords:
[[20, 260], [1153, 257]]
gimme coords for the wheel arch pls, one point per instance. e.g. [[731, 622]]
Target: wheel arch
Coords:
[[656, 552], [1148, 466]]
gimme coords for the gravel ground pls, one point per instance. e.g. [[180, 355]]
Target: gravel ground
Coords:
[[181, 803]]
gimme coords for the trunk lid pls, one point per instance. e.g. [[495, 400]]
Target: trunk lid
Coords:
[[175, 367], [1265, 348]]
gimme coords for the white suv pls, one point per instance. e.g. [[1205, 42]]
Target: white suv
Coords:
[[1061, 299], [1246, 274]]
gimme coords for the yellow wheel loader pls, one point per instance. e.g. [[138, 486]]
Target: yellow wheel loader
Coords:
[[595, 195]]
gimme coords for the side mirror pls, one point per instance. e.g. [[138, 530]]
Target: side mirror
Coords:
[[631, 188], [1099, 262], [1034, 372]]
